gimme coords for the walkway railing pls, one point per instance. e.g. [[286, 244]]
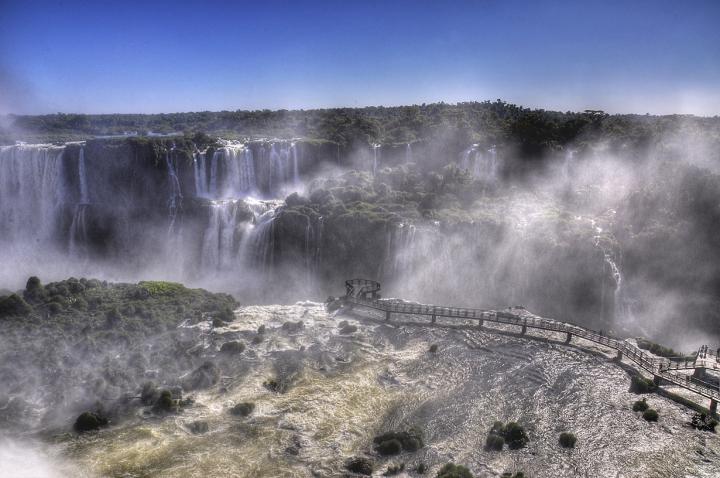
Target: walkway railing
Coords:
[[365, 293]]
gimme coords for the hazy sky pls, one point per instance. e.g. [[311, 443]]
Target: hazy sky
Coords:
[[130, 56]]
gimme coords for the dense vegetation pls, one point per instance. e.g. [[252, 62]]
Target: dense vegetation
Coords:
[[83, 345], [532, 131]]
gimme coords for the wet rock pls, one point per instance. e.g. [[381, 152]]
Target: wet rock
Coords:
[[205, 376], [290, 326], [348, 329], [359, 465], [198, 427], [232, 347], [243, 409]]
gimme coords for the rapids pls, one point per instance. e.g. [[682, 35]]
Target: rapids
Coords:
[[343, 389]]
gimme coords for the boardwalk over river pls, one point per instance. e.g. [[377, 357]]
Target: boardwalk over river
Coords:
[[365, 293]]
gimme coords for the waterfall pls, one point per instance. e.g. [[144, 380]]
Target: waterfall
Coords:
[[82, 177], [622, 307], [232, 173], [201, 185], [296, 170], [77, 245], [408, 153], [229, 243], [32, 193], [402, 248], [248, 181], [218, 245], [482, 165], [274, 167], [260, 250], [568, 164], [375, 148], [175, 197], [212, 188]]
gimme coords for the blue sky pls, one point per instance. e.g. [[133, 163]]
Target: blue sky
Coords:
[[125, 56]]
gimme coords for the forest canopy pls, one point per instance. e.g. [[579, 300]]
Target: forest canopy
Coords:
[[531, 131]]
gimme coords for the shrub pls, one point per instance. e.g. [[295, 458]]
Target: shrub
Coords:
[[88, 421], [13, 305], [165, 403], [389, 447], [113, 317], [494, 442], [515, 436], [640, 406], [657, 349], [433, 349], [452, 470], [650, 415], [243, 409], [392, 443], [149, 393], [641, 385], [567, 440], [359, 465], [421, 468], [275, 385], [702, 421], [498, 428], [34, 291], [54, 308], [226, 314]]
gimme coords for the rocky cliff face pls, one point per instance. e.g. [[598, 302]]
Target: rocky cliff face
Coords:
[[266, 221]]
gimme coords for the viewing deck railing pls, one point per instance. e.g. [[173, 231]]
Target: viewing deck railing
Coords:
[[357, 291]]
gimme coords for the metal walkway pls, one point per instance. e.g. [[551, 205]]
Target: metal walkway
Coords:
[[365, 293]]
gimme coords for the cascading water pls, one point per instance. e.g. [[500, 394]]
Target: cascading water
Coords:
[[78, 228], [296, 169], [218, 248], [375, 148], [408, 153], [212, 187], [175, 197], [201, 185], [230, 242], [259, 252], [622, 307], [32, 193], [568, 164], [482, 165], [82, 177]]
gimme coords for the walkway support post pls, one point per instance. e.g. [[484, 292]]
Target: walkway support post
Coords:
[[481, 322], [619, 355], [657, 380], [713, 406], [524, 329], [568, 338], [387, 315], [434, 318]]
